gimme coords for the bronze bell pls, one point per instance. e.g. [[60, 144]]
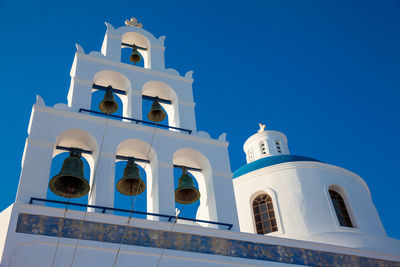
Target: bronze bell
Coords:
[[130, 184], [135, 56], [108, 104], [186, 193], [70, 182], [156, 114]]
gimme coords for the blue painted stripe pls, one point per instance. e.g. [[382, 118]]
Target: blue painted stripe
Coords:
[[269, 161], [144, 237]]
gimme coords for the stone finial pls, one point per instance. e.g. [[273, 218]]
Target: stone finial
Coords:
[[262, 128], [133, 22]]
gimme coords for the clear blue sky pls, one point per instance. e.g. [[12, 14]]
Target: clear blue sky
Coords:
[[326, 73]]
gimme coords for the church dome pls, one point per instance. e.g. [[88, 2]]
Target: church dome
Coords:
[[269, 161]]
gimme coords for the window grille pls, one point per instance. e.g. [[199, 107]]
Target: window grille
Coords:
[[264, 215]]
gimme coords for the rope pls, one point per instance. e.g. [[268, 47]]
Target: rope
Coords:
[[134, 201], [91, 190], [60, 233], [169, 235]]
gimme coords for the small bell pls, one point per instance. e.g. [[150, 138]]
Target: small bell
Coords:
[[130, 184], [135, 56], [186, 193], [156, 114], [70, 182], [108, 104]]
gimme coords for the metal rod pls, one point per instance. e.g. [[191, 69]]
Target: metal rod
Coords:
[[153, 98], [170, 217], [187, 168], [135, 120], [70, 149], [134, 46], [134, 159], [106, 88]]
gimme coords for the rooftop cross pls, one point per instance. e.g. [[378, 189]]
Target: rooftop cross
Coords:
[[262, 127], [133, 22]]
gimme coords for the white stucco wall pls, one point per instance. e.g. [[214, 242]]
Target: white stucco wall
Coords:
[[303, 207]]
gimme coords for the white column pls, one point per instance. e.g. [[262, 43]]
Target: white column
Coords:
[[103, 181], [187, 119], [36, 163], [80, 94], [160, 191], [225, 199], [157, 61], [135, 104], [111, 47]]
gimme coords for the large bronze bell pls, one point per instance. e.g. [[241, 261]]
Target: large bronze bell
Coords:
[[70, 182], [108, 104], [186, 193], [135, 56], [156, 114], [130, 184]]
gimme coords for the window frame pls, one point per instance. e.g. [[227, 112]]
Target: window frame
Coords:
[[342, 193], [275, 207]]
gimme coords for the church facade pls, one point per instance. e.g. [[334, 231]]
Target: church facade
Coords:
[[277, 210]]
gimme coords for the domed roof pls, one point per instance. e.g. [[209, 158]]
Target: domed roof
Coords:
[[269, 161]]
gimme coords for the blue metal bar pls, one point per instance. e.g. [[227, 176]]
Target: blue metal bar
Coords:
[[187, 168], [106, 88], [135, 120], [134, 159], [153, 98], [134, 46], [74, 148], [170, 217]]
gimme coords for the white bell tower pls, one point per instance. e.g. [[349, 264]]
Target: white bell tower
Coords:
[[103, 139]]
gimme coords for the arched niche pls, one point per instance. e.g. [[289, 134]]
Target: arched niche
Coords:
[[193, 158], [117, 81], [141, 150], [76, 138], [140, 40], [344, 208], [164, 91]]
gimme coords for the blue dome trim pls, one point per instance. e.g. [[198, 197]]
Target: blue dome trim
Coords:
[[269, 161]]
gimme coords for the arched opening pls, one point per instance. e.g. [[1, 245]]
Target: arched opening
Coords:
[[340, 208], [278, 146], [140, 150], [73, 138], [263, 149], [264, 214], [137, 39], [163, 91], [206, 207], [117, 81]]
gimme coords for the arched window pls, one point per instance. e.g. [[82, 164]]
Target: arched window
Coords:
[[262, 148], [264, 215], [278, 146], [340, 209]]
